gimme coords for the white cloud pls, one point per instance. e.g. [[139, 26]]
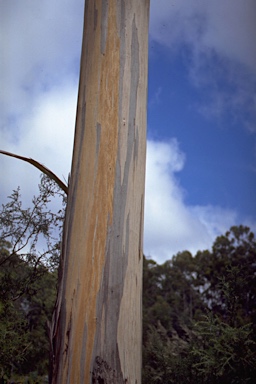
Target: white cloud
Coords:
[[172, 226], [40, 44], [215, 219], [45, 134], [220, 38], [225, 26], [232, 29]]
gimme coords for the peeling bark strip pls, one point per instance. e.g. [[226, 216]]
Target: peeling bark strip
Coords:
[[97, 321]]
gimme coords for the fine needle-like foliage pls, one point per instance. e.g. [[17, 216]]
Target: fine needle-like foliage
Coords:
[[34, 232], [29, 259], [200, 314], [224, 353]]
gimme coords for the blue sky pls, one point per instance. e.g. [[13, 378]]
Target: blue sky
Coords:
[[220, 151], [201, 157]]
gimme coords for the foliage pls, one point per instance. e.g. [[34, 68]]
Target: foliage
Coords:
[[224, 353], [34, 233], [199, 314], [29, 256], [166, 357], [23, 318]]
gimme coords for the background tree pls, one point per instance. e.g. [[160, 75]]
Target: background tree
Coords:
[[29, 256], [198, 320], [24, 344], [34, 233], [212, 337], [230, 267]]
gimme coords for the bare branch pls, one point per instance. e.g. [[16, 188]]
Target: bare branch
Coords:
[[39, 166]]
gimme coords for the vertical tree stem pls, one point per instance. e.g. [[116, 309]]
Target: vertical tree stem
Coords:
[[97, 322]]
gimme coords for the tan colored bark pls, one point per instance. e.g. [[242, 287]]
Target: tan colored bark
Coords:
[[97, 327]]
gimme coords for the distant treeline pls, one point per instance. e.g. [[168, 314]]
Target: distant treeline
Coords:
[[199, 313]]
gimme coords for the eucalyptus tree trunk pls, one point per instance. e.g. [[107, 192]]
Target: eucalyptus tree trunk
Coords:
[[97, 327]]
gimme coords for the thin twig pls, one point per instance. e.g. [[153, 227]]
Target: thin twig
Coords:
[[39, 166]]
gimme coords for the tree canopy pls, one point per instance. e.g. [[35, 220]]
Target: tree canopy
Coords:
[[199, 312], [29, 259]]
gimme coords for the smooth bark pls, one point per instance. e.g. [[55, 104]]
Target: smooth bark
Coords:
[[97, 327]]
